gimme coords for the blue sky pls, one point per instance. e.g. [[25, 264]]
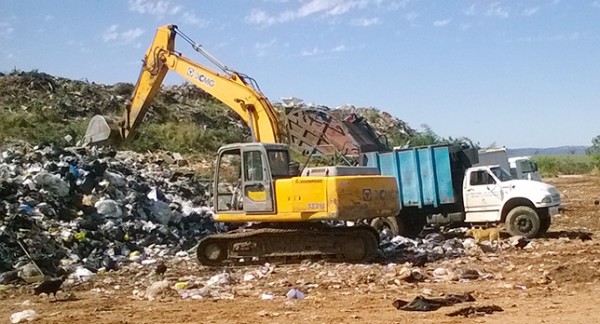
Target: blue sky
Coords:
[[513, 73]]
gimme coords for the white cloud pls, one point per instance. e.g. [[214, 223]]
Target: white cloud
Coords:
[[311, 52], [366, 22], [5, 29], [441, 23], [530, 11], [411, 16], [260, 17], [307, 8], [130, 35], [562, 37], [497, 10], [154, 7], [263, 49], [112, 33], [330, 7], [465, 26], [395, 5], [339, 48], [191, 18], [471, 11], [318, 51]]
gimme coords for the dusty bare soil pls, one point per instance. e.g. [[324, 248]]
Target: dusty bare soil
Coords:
[[553, 281]]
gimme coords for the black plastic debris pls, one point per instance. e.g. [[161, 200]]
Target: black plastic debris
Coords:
[[422, 304], [420, 251], [476, 311]]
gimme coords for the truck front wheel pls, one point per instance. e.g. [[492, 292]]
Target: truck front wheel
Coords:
[[523, 221]]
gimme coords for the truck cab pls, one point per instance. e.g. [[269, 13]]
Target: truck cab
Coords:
[[490, 194], [524, 168]]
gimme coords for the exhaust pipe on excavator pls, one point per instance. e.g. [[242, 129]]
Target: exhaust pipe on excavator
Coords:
[[102, 130]]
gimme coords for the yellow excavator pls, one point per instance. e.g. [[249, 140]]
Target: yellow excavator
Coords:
[[254, 182]]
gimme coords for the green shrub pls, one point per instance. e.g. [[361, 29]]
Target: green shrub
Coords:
[[40, 127], [551, 166]]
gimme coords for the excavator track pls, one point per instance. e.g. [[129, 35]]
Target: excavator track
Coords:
[[345, 244]]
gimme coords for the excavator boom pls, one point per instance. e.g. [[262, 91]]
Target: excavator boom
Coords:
[[231, 88]]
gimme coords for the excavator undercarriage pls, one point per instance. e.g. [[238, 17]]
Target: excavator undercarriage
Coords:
[[289, 242]]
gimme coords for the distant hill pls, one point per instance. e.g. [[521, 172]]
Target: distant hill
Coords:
[[561, 150]]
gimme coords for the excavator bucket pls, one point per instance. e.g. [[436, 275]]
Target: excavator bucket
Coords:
[[102, 130]]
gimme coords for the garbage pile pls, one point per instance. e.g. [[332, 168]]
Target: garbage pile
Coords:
[[93, 207], [432, 247]]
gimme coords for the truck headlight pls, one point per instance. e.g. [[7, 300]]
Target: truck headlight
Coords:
[[547, 199]]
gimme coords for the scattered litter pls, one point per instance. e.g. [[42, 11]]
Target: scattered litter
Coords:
[[157, 289], [81, 275], [476, 311], [181, 285], [295, 294], [24, 316], [266, 296], [422, 304]]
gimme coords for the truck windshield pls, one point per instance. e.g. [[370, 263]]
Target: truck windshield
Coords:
[[501, 174], [527, 166]]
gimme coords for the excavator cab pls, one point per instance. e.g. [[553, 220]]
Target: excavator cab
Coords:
[[245, 174]]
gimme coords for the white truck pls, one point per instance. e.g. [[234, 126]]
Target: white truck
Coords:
[[439, 185], [492, 195], [521, 167], [524, 168]]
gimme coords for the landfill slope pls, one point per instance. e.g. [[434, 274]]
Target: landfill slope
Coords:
[[41, 108]]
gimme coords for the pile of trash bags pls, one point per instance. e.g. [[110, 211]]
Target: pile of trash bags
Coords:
[[427, 248], [94, 206]]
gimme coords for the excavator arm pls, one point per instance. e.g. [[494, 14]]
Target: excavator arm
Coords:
[[231, 88]]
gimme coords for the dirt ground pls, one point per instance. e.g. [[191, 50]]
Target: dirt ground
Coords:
[[553, 281]]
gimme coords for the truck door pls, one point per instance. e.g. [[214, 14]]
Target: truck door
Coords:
[[257, 183], [483, 196]]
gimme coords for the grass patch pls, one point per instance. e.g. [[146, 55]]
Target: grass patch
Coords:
[[554, 165], [44, 127]]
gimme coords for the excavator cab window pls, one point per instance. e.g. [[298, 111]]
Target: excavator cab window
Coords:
[[279, 161], [229, 181], [257, 184]]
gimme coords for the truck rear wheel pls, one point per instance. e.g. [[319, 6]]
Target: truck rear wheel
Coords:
[[523, 221], [390, 223]]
